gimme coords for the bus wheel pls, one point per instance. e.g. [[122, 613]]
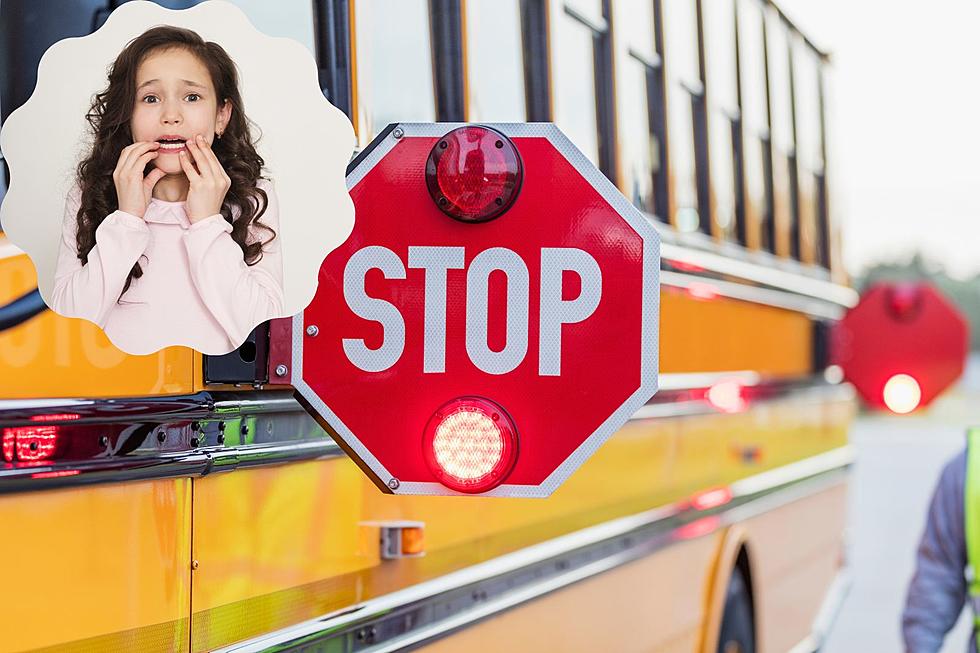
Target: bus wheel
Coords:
[[737, 634]]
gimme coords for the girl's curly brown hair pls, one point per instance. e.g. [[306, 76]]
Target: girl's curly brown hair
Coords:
[[109, 118]]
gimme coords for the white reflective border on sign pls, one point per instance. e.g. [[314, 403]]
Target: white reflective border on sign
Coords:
[[649, 348]]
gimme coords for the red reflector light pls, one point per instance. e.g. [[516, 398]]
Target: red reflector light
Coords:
[[727, 396], [700, 290], [56, 474], [905, 301], [711, 498], [30, 442], [470, 445], [57, 417], [474, 174], [9, 443], [698, 528]]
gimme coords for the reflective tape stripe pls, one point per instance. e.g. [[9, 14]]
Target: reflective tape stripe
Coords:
[[971, 520]]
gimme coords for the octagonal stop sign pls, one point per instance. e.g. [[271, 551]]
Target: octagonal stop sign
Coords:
[[492, 319], [902, 345]]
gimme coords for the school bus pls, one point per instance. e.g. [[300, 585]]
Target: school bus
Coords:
[[184, 502]]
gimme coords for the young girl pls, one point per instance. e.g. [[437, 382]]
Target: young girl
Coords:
[[162, 242]]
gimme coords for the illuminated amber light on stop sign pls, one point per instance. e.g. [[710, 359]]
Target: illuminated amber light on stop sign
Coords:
[[902, 394], [470, 445]]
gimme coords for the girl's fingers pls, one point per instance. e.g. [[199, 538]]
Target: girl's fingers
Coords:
[[151, 179], [188, 167], [133, 153], [130, 169], [216, 167], [200, 160], [210, 157]]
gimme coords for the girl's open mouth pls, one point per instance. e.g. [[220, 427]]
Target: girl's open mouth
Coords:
[[171, 145]]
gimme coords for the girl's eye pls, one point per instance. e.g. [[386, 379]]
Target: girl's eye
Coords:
[[193, 97], [150, 99]]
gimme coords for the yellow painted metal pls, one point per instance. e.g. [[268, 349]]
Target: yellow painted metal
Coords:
[[653, 604], [668, 601], [724, 334], [263, 538], [104, 567], [795, 551], [280, 545], [53, 356]]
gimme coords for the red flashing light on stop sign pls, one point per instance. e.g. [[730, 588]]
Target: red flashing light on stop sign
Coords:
[[474, 174], [470, 444]]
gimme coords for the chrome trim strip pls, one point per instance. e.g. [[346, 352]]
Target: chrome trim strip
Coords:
[[820, 308], [827, 615], [765, 275], [542, 568], [197, 463], [294, 435], [699, 380]]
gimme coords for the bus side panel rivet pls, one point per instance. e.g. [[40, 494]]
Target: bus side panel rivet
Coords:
[[394, 483], [312, 330], [195, 564], [281, 370], [398, 132]]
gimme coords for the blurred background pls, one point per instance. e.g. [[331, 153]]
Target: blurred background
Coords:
[[903, 101]]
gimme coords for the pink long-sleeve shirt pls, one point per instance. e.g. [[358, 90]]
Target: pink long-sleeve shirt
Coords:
[[196, 289]]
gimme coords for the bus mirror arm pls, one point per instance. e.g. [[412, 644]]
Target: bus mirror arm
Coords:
[[21, 309]]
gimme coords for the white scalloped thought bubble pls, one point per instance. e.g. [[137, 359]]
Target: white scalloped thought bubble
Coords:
[[185, 296]]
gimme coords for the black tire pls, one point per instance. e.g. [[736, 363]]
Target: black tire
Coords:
[[737, 632]]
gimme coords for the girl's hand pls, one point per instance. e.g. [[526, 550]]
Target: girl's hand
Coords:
[[133, 190], [209, 181]]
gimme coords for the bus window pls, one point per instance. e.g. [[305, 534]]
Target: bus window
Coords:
[[292, 18], [722, 97], [495, 62], [754, 112], [681, 62], [640, 109], [785, 206], [573, 72], [393, 48], [809, 152]]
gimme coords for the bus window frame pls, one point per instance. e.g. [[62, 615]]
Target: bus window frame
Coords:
[[602, 56], [537, 60], [531, 37], [765, 227], [824, 233], [448, 59], [657, 128], [359, 77], [695, 89], [727, 112], [332, 41], [702, 145]]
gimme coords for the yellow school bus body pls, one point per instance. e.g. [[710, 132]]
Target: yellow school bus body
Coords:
[[272, 542], [199, 563]]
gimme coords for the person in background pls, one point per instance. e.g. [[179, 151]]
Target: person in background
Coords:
[[948, 552]]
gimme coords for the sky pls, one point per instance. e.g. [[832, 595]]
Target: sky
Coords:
[[905, 115]]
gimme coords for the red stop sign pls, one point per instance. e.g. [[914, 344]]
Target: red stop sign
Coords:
[[433, 344], [902, 345]]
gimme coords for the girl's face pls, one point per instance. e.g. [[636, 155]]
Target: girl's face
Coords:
[[175, 101]]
